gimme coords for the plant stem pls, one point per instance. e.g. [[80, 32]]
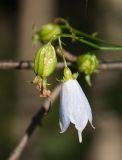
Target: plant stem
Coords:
[[93, 45], [60, 45], [76, 32]]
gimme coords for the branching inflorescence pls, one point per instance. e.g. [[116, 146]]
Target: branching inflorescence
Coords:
[[52, 36], [74, 106]]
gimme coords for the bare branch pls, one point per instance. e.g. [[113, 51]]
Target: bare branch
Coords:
[[16, 64], [33, 125], [104, 65], [23, 65], [29, 65]]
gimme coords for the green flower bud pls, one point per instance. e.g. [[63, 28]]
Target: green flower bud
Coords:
[[87, 63], [45, 61], [67, 74], [49, 31]]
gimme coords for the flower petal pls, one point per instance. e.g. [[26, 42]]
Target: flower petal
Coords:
[[86, 104], [77, 110], [64, 108], [89, 111], [74, 107]]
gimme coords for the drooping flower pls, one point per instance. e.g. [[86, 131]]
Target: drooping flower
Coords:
[[74, 107]]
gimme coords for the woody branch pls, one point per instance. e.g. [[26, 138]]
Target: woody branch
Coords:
[[21, 65]]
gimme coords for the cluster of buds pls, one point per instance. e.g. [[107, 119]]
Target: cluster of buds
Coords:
[[45, 59], [74, 106]]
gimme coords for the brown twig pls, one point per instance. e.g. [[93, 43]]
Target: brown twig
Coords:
[[110, 65], [23, 65], [33, 125], [16, 64], [5, 65], [70, 57]]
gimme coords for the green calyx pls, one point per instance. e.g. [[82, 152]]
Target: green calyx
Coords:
[[87, 63], [49, 32], [45, 61], [68, 74]]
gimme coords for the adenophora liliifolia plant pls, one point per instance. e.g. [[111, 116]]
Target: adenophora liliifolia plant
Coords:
[[74, 106]]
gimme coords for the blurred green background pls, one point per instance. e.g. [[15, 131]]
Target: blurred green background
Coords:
[[19, 100]]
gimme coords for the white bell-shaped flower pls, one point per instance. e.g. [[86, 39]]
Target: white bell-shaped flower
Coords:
[[74, 107]]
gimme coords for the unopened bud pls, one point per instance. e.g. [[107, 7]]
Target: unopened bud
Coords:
[[48, 32], [87, 63], [45, 61]]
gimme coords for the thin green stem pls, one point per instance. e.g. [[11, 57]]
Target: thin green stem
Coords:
[[85, 35], [93, 45], [75, 32], [60, 45]]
